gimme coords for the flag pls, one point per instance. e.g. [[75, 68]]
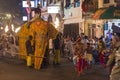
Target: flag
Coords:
[[28, 10], [84, 6]]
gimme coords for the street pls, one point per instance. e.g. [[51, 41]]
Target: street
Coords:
[[84, 31], [11, 69]]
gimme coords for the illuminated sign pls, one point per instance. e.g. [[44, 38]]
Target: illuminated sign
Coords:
[[24, 4], [53, 9], [24, 18]]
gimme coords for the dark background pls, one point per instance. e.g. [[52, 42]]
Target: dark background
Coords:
[[11, 6]]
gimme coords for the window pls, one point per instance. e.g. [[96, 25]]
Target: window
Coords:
[[67, 5], [51, 1], [54, 1], [57, 0], [44, 3], [76, 3], [106, 1], [118, 24]]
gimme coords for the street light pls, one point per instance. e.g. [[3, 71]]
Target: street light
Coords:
[[1, 28], [17, 29], [13, 28], [57, 22], [8, 16], [6, 29]]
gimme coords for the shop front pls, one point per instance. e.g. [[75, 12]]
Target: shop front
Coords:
[[109, 16], [102, 27], [111, 26], [94, 28], [73, 25], [73, 22], [70, 29]]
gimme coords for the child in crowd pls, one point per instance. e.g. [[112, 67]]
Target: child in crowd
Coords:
[[85, 63], [80, 63], [102, 57], [89, 55], [75, 56], [75, 61], [107, 53]]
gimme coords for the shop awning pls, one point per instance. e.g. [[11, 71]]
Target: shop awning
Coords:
[[107, 13], [98, 13]]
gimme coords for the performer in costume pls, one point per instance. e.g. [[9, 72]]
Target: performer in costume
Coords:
[[115, 73], [56, 44], [41, 31], [30, 51]]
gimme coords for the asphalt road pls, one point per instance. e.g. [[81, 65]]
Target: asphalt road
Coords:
[[12, 69]]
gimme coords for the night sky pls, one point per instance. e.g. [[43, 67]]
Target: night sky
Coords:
[[10, 6]]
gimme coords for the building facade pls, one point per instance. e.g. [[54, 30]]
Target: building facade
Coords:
[[63, 13], [69, 16], [52, 9], [73, 22], [96, 27]]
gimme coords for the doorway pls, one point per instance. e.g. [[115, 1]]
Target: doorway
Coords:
[[70, 29]]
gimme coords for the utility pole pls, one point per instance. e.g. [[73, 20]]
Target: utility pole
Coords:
[[62, 8], [41, 3], [62, 15]]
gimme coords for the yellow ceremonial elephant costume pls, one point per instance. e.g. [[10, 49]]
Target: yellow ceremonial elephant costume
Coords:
[[41, 31]]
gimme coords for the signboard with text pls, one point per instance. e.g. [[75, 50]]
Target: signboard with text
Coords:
[[24, 4], [53, 9]]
